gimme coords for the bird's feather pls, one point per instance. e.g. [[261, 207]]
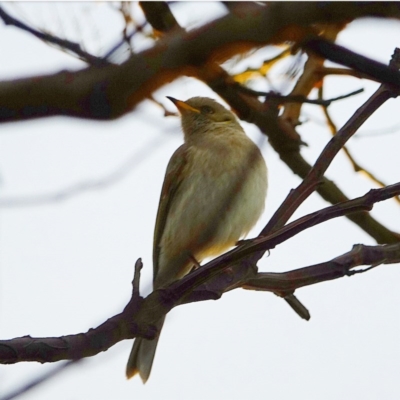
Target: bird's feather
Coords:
[[173, 179]]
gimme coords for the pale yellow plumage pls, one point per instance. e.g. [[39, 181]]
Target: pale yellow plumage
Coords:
[[213, 193]]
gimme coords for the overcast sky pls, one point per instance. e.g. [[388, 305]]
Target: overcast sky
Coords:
[[66, 265]]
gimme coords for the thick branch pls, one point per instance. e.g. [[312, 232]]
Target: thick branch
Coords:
[[140, 317], [362, 64], [110, 91], [236, 267]]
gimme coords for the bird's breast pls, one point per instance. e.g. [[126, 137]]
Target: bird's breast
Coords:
[[219, 200]]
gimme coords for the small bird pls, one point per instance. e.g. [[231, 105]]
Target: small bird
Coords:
[[213, 193]]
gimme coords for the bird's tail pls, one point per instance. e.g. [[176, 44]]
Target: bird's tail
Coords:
[[142, 356]]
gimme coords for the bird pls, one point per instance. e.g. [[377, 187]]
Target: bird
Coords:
[[213, 193]]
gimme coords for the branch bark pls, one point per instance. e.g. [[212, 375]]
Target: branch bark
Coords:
[[107, 92], [231, 270]]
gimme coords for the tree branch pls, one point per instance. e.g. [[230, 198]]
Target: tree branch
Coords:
[[308, 185], [283, 99], [110, 91], [62, 43], [210, 281], [286, 142], [336, 268], [362, 64]]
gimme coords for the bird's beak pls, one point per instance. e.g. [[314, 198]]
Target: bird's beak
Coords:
[[182, 106]]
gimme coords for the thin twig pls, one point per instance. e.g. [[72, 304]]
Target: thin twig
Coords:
[[308, 185], [63, 43], [356, 167], [336, 268], [39, 380], [126, 39], [281, 99]]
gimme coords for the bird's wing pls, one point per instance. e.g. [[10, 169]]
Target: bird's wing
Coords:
[[172, 180]]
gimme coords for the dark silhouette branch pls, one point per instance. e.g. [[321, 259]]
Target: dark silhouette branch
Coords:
[[62, 43], [210, 281], [159, 16], [129, 324], [286, 142], [252, 250], [358, 62], [308, 185], [284, 139], [283, 99], [356, 166], [363, 203], [336, 268], [107, 92], [25, 387]]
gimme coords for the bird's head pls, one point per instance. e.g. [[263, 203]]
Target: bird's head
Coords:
[[202, 114]]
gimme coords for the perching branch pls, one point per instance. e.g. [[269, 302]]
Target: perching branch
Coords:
[[140, 316], [110, 91]]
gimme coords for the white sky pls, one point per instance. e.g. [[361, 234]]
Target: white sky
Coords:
[[66, 266]]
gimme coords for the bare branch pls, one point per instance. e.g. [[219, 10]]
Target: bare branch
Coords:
[[308, 185], [326, 271], [283, 99], [62, 43], [110, 91], [39, 380], [250, 251], [362, 64], [286, 142], [159, 15], [363, 203], [140, 316], [356, 167]]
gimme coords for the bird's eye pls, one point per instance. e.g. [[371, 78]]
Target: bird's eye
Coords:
[[207, 110]]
